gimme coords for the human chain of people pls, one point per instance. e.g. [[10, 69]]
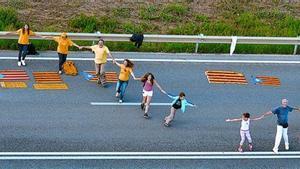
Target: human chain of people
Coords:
[[148, 82]]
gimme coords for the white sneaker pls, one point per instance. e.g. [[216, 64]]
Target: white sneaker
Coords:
[[275, 151], [120, 101], [287, 147], [23, 62], [19, 64]]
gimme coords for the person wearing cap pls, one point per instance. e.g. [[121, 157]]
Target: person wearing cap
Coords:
[[63, 48], [23, 42], [101, 53]]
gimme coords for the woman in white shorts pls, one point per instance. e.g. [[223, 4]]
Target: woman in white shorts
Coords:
[[148, 81]]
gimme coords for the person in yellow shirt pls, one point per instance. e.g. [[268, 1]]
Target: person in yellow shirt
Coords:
[[23, 42], [101, 52], [125, 72], [63, 48]]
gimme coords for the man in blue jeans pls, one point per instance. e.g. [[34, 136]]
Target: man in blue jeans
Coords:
[[282, 123]]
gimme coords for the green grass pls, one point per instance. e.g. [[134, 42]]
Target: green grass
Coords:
[[177, 19]]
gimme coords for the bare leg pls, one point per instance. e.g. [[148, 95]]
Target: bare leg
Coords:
[[148, 100], [169, 118]]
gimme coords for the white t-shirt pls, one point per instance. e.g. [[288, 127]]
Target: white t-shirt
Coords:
[[245, 124]]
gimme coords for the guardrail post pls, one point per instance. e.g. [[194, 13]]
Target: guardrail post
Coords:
[[296, 47], [233, 44], [198, 41]]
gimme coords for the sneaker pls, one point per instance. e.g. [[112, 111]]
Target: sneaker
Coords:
[[166, 124], [287, 147], [120, 101], [275, 151], [240, 149], [19, 64], [250, 147], [117, 95], [146, 116], [23, 62], [142, 106], [60, 72]]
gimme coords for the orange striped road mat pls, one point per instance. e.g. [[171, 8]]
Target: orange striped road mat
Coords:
[[50, 86], [225, 77], [267, 81], [13, 75], [12, 85], [111, 77], [47, 77]]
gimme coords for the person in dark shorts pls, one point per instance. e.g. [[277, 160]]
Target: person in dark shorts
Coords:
[[179, 102], [282, 123]]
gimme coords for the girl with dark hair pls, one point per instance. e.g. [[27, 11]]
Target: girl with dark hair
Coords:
[[148, 81], [179, 102], [125, 72], [245, 129], [63, 48], [23, 42]]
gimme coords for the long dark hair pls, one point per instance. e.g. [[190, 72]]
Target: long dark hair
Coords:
[[145, 78], [28, 30], [129, 63]]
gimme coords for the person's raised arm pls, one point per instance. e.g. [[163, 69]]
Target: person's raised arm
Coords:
[[233, 120], [115, 62], [258, 118], [12, 33], [159, 87], [86, 47], [110, 55], [190, 104], [267, 113], [48, 37], [296, 108], [79, 47], [132, 74]]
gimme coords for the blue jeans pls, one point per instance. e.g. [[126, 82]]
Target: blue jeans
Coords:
[[121, 87], [23, 50]]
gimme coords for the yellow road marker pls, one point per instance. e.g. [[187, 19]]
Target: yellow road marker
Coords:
[[52, 86]]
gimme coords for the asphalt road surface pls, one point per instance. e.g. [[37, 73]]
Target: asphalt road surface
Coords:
[[65, 121]]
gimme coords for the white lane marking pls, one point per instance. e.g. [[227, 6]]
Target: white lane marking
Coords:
[[144, 153], [145, 157], [126, 104], [169, 60]]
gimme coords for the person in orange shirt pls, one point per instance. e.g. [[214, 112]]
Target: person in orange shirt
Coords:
[[63, 48], [125, 72], [23, 42], [101, 52]]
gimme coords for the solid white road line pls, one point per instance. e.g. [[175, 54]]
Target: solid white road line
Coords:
[[126, 104], [145, 155], [169, 60]]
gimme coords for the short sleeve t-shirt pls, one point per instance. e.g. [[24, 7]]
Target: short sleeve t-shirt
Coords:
[[63, 45], [282, 114], [24, 37], [125, 72], [100, 54]]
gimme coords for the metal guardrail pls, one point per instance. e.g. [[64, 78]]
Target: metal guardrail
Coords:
[[197, 39]]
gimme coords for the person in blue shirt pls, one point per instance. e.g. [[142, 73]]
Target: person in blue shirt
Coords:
[[282, 123], [179, 102]]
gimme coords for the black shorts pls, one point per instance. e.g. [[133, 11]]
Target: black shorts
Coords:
[[284, 125], [176, 107]]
